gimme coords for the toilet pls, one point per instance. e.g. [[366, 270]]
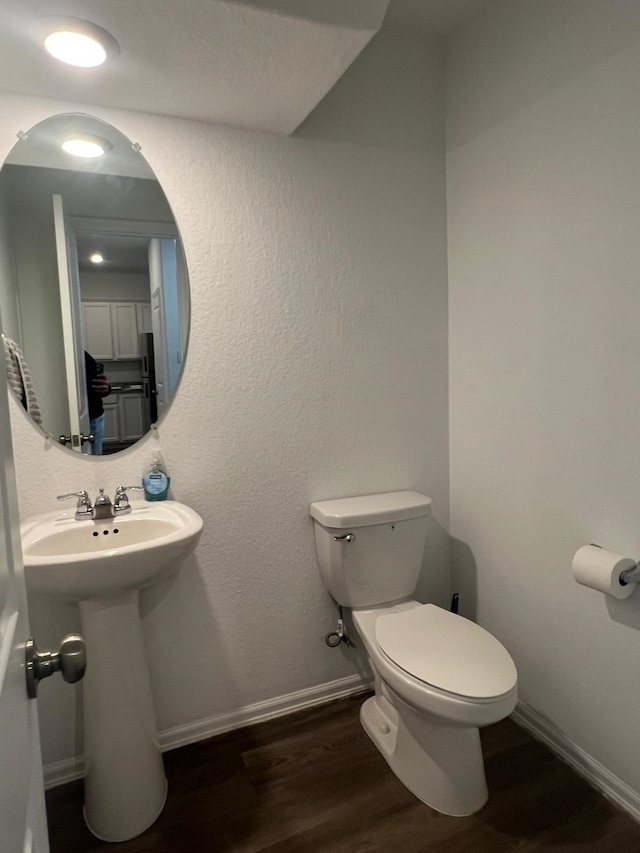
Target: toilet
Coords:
[[438, 676]]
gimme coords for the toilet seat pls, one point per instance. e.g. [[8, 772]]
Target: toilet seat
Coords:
[[447, 652]]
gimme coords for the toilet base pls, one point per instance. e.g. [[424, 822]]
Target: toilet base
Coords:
[[442, 765]]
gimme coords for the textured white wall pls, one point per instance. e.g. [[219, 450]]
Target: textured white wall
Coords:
[[316, 368], [543, 216]]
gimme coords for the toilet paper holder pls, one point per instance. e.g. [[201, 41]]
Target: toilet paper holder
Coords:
[[629, 575]]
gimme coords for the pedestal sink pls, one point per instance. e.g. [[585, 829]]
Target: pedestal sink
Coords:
[[102, 565]]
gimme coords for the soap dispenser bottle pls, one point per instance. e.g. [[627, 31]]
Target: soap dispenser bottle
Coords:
[[156, 481]]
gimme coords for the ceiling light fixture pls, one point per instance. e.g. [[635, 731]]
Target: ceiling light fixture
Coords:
[[76, 42], [85, 145], [96, 258]]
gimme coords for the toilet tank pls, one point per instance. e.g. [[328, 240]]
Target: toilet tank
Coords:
[[370, 548]]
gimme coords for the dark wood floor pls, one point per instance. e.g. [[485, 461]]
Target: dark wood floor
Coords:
[[314, 782]]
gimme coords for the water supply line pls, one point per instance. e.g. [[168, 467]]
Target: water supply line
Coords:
[[334, 638]]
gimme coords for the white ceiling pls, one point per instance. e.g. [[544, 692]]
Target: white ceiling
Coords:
[[436, 16], [262, 64], [122, 253]]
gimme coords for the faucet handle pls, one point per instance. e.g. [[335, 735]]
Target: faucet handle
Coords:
[[83, 506], [122, 498], [121, 491], [82, 496]]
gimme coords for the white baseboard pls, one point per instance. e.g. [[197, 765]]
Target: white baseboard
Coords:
[[261, 711], [61, 772], [585, 765], [71, 769]]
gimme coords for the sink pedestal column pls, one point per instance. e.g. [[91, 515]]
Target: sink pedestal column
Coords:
[[125, 785]]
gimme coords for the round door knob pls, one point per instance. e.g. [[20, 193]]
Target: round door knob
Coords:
[[70, 660]]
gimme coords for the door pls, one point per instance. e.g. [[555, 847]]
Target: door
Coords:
[[98, 336], [132, 426], [144, 317], [23, 824], [157, 324], [171, 314], [124, 325], [111, 421], [71, 310]]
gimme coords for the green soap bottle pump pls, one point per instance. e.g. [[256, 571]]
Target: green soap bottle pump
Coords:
[[156, 481]]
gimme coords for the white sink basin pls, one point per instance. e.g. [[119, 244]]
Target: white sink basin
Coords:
[[82, 560]]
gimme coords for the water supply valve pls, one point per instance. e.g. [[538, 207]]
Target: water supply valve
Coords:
[[334, 638]]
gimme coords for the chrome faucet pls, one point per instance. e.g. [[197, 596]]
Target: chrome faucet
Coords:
[[102, 508]]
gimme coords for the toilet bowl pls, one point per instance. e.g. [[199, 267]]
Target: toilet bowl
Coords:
[[438, 676]]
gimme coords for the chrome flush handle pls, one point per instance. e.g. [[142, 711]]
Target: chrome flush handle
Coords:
[[348, 537]]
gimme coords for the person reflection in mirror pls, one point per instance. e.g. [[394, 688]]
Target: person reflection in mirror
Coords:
[[97, 388]]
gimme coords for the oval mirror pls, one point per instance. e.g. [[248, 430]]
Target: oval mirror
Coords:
[[94, 291]]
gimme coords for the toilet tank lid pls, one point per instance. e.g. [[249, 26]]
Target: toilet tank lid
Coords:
[[370, 509]]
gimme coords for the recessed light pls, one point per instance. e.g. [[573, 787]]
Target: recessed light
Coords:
[[76, 42], [96, 258], [86, 146], [75, 49]]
